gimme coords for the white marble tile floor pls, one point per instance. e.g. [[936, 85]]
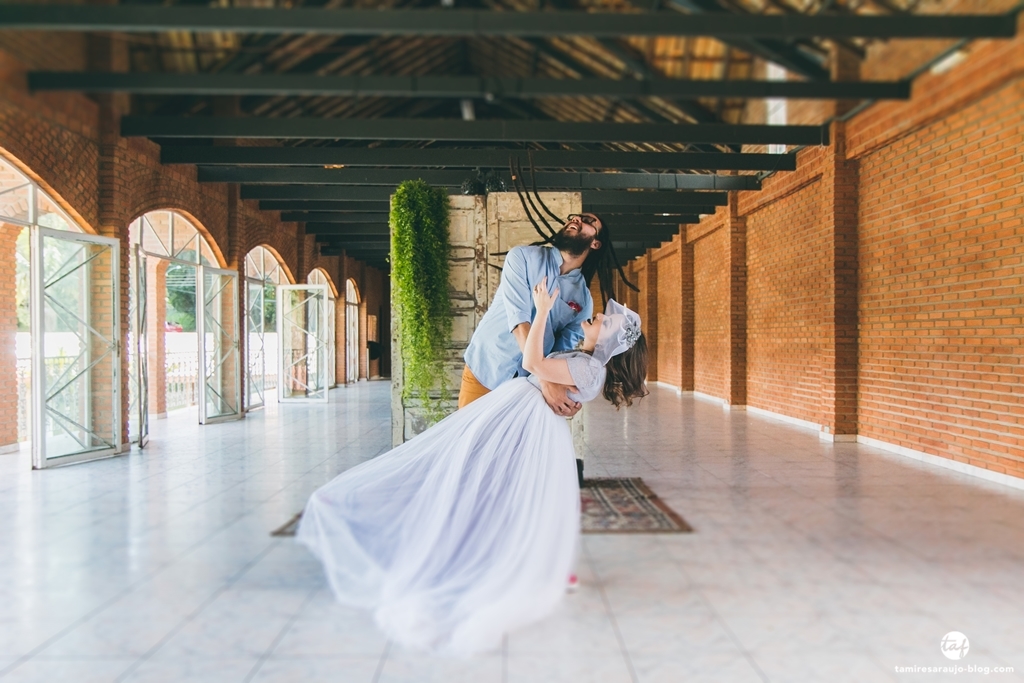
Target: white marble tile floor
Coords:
[[810, 561]]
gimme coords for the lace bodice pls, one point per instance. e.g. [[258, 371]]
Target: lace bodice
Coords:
[[587, 374]]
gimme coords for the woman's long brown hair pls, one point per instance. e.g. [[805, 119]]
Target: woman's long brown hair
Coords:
[[626, 373]]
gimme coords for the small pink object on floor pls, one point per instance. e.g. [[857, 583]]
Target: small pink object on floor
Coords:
[[574, 584]]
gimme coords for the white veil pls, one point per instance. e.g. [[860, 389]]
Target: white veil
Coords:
[[620, 329]]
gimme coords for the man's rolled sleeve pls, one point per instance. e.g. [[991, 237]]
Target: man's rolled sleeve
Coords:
[[517, 289]]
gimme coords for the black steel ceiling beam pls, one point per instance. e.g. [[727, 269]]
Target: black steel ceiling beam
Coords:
[[631, 229], [467, 22], [373, 210], [472, 158], [454, 130], [384, 246], [361, 253], [299, 212], [373, 260], [676, 199], [377, 229], [647, 220], [319, 211], [364, 241], [327, 222], [645, 209], [375, 206], [320, 192], [542, 179], [454, 86], [330, 193]]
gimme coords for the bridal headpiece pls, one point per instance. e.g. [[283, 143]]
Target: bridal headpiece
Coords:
[[620, 329]]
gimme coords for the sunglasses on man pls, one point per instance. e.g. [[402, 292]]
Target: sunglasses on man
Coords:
[[592, 221]]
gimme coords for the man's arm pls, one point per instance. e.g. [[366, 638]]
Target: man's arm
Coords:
[[555, 395], [517, 291]]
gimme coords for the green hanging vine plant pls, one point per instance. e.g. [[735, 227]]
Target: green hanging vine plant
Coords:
[[419, 272]]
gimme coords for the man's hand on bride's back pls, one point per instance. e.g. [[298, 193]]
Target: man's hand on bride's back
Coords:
[[556, 398]]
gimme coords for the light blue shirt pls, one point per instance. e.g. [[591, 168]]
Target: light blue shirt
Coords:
[[493, 355]]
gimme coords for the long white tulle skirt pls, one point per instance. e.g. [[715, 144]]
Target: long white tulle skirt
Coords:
[[460, 535]]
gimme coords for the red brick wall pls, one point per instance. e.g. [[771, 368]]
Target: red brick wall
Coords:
[[668, 331], [8, 330], [883, 277], [70, 145], [942, 268], [786, 266], [711, 306]]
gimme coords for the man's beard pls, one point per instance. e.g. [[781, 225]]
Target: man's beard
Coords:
[[576, 245]]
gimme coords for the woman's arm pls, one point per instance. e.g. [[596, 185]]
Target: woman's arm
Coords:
[[549, 369]]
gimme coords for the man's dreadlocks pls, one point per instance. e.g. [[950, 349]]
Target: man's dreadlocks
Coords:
[[603, 262]]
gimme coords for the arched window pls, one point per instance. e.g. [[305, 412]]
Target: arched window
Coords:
[[351, 331], [23, 202], [193, 325], [66, 351], [169, 235], [261, 264], [319, 277], [263, 272]]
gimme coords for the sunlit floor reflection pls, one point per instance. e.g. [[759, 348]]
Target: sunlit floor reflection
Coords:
[[810, 561]]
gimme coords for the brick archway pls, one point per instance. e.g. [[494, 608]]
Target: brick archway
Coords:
[[26, 201]]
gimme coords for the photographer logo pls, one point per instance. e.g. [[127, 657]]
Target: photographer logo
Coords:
[[955, 645]]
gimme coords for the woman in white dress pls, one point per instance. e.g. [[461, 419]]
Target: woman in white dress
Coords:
[[470, 530]]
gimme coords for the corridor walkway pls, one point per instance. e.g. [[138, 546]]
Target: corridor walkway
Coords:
[[810, 561]]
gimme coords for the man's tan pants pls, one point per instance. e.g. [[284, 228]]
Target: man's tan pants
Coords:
[[471, 388]]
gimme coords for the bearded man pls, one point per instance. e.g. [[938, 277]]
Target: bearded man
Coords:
[[495, 353]]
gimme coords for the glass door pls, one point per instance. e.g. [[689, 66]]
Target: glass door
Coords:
[[76, 355], [255, 344], [332, 362], [302, 334], [217, 325], [351, 342], [138, 351]]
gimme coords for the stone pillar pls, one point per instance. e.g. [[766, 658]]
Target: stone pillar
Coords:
[[156, 315], [737, 362], [9, 408], [469, 299]]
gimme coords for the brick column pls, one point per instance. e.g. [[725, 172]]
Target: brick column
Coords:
[[737, 343], [648, 310], [342, 334], [840, 184], [839, 371], [363, 354], [385, 328], [685, 314], [156, 341], [109, 55], [8, 330], [339, 336], [234, 255]]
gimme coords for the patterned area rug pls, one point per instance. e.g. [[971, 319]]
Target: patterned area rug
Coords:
[[607, 506], [626, 506]]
